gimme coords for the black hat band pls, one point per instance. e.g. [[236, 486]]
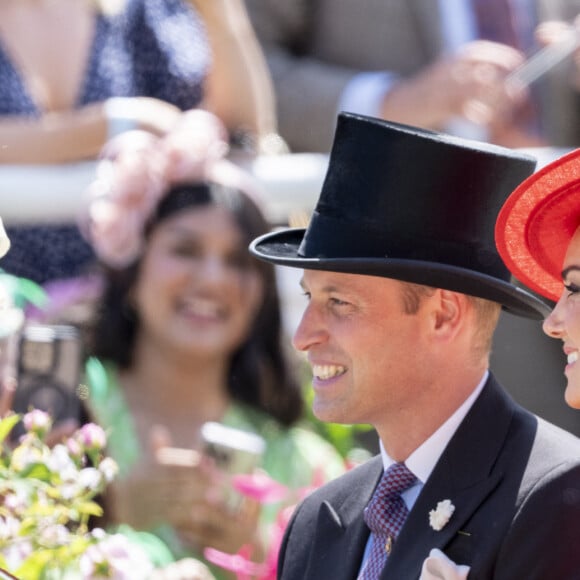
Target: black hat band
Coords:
[[328, 237]]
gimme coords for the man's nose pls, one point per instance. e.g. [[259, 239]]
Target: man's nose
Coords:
[[310, 330]]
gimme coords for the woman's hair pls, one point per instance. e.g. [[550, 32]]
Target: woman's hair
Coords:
[[260, 373]]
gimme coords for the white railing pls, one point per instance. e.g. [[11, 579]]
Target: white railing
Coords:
[[54, 193]]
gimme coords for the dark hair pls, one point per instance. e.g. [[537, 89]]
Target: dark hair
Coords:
[[260, 374]]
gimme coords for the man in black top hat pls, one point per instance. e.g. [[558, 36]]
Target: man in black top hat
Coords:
[[404, 290]]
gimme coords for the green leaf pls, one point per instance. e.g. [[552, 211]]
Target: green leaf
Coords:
[[37, 471], [34, 565], [6, 425], [23, 290], [89, 508]]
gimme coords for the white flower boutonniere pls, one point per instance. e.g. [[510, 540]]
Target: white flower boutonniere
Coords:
[[439, 517]]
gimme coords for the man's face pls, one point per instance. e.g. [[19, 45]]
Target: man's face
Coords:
[[368, 356]]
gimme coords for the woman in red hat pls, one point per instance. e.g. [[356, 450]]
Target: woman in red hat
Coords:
[[538, 236]]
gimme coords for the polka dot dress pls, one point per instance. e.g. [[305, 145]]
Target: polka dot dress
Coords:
[[155, 48]]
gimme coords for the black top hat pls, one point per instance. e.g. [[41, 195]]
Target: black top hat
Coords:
[[413, 205]]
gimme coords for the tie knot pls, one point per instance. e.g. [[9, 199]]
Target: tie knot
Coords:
[[396, 479]]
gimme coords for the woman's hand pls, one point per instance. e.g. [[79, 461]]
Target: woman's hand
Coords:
[[69, 136], [206, 511], [212, 523], [553, 31]]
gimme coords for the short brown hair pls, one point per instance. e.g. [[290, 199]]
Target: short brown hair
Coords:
[[486, 311]]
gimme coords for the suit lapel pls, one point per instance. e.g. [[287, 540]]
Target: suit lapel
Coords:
[[341, 533], [464, 474]]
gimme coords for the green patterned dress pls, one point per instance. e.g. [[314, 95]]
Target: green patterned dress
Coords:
[[294, 457]]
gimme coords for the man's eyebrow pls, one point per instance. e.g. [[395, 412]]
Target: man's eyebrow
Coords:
[[325, 289], [569, 269]]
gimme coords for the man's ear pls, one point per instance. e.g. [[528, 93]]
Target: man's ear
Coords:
[[448, 310]]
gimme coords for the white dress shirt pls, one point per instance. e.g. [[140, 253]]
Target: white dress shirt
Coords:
[[423, 460]]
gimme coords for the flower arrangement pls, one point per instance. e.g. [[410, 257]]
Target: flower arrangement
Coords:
[[47, 496]]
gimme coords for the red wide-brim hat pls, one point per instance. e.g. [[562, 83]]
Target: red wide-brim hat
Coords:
[[537, 222]]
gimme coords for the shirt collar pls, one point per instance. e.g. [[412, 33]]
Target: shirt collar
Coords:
[[423, 460]]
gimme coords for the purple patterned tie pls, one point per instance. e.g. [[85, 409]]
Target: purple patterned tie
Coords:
[[385, 516]]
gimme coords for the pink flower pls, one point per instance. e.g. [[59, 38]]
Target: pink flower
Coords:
[[37, 421], [137, 171], [91, 437], [240, 563], [124, 196], [264, 489], [260, 486], [74, 449]]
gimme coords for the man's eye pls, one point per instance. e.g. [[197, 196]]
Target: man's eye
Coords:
[[338, 302]]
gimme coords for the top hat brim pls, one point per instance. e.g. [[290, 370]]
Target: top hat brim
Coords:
[[537, 222], [282, 248]]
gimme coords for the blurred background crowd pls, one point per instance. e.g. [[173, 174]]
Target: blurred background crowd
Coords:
[[194, 122]]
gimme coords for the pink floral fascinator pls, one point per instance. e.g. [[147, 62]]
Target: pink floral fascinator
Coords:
[[138, 169]]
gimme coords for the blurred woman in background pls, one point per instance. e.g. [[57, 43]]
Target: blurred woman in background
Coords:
[[188, 330]]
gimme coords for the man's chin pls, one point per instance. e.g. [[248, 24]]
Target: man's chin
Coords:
[[330, 413]]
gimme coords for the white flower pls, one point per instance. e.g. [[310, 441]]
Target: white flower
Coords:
[[68, 491], [118, 558], [90, 478], [61, 462], [54, 535], [439, 517], [109, 468], [15, 554], [26, 454], [9, 528], [15, 501]]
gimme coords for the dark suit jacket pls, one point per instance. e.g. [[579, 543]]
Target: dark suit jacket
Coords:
[[515, 483]]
